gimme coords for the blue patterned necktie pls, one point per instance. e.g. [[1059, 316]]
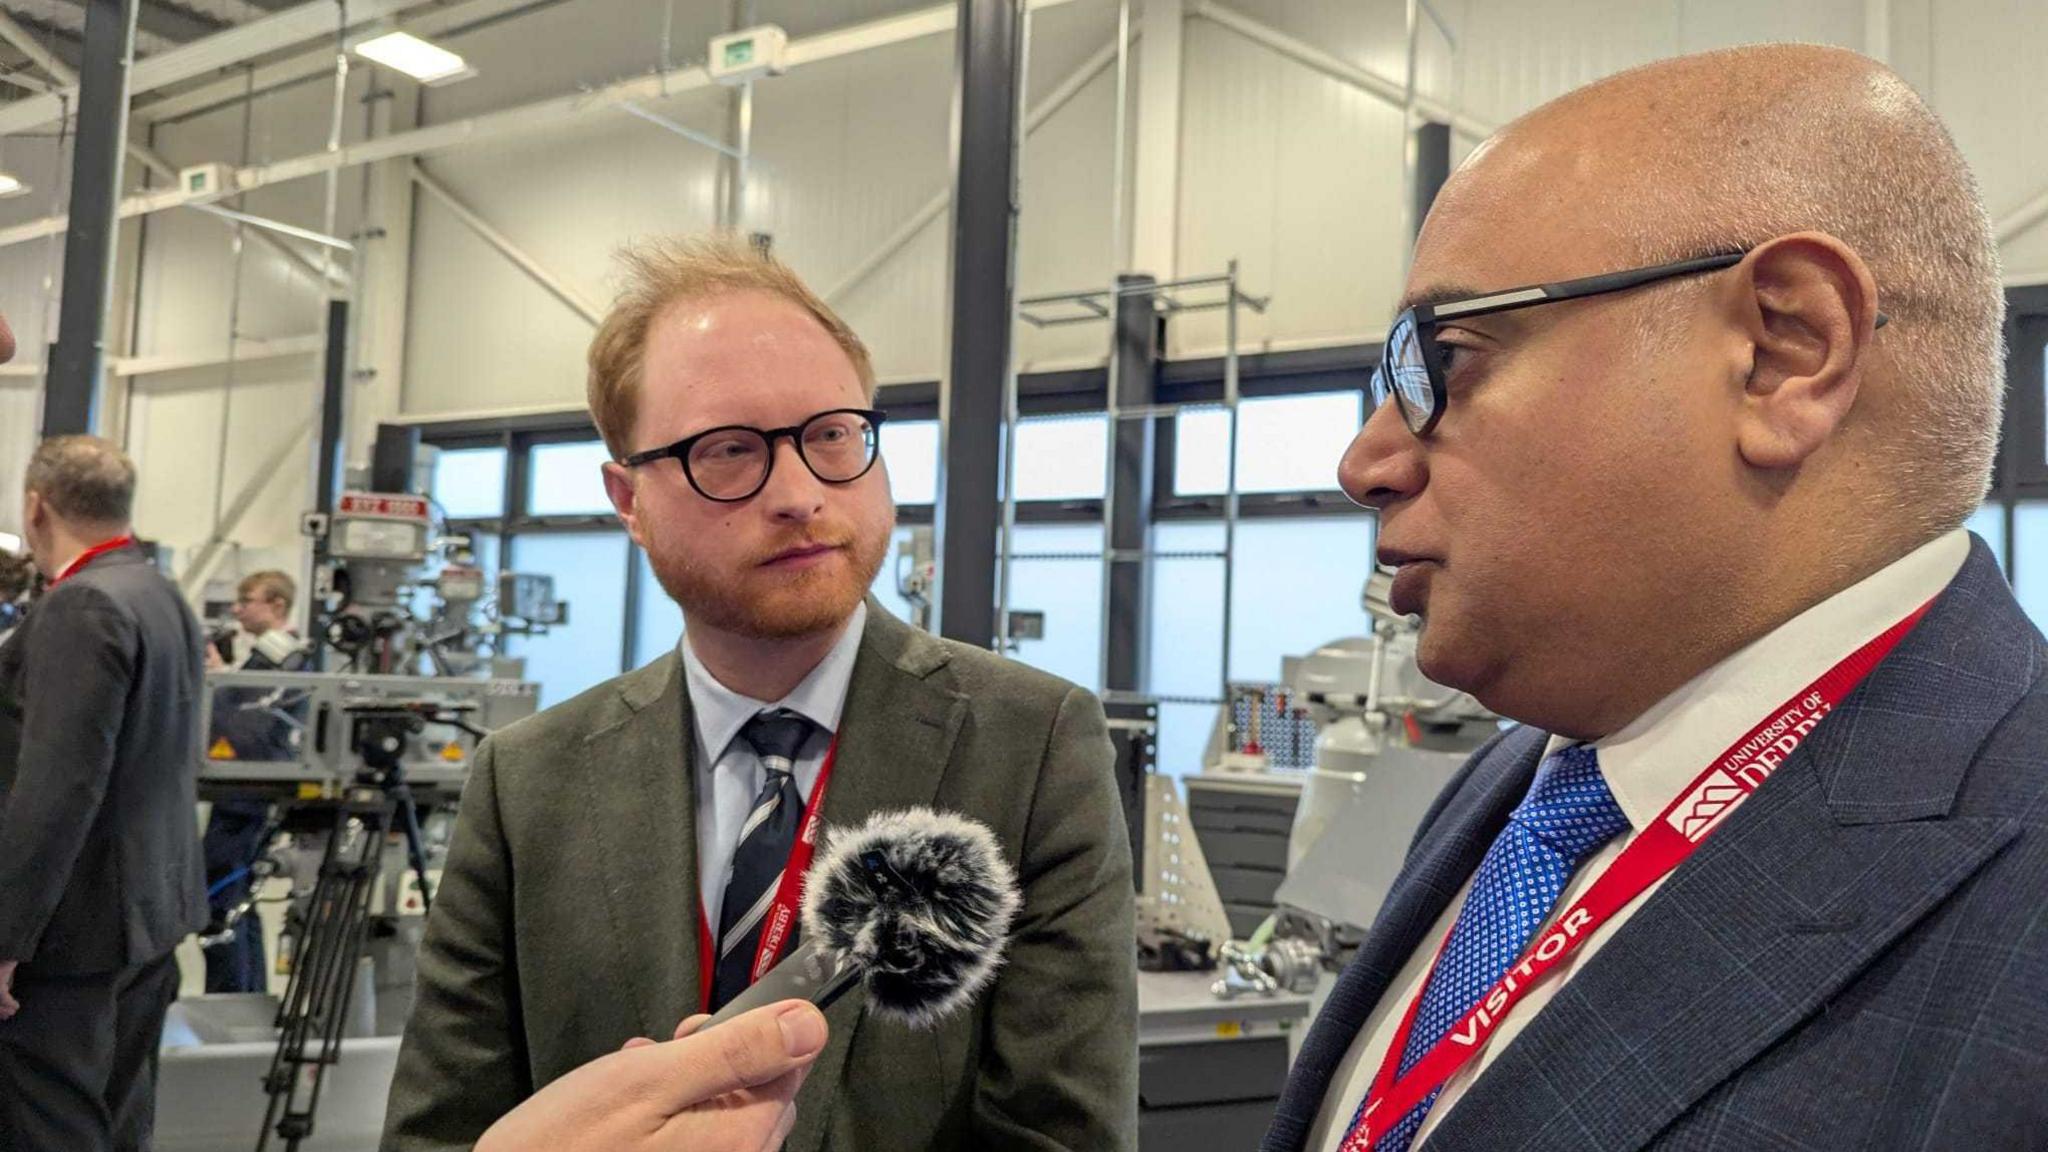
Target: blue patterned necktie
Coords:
[[1566, 817], [777, 738]]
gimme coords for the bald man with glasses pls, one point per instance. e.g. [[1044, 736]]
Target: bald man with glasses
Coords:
[[1696, 380]]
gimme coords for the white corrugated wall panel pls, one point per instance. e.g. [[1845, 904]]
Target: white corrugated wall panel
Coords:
[[1298, 176]]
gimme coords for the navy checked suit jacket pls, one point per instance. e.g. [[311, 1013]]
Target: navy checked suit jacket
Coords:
[[1856, 959]]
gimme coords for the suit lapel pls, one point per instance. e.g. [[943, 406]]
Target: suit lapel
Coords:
[[646, 827], [896, 736], [1438, 866], [1849, 845]]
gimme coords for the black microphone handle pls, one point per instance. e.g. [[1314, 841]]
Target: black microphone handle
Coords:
[[804, 974]]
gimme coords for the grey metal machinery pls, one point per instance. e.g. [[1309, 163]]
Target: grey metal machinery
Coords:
[[1386, 740], [381, 612], [364, 779]]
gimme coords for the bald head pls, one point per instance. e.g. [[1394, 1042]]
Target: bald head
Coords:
[[1621, 489], [1725, 150]]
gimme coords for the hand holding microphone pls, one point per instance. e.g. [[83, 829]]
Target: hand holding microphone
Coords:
[[732, 1090], [914, 905]]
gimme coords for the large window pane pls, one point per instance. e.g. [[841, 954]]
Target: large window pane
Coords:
[[469, 483], [658, 620], [567, 480], [1298, 586], [1068, 591], [2030, 559], [1062, 458], [590, 573], [1989, 522], [910, 451], [895, 567], [1284, 444]]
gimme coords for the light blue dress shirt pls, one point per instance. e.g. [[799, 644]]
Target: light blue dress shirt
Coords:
[[729, 775]]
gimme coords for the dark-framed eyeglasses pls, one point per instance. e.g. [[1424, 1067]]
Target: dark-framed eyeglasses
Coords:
[[731, 463], [1411, 370]]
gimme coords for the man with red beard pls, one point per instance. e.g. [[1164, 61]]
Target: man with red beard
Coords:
[[618, 856]]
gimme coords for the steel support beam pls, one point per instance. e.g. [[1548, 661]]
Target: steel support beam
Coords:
[[1392, 92], [37, 52], [309, 21], [1432, 166], [511, 122], [428, 24], [935, 207], [63, 77], [195, 574], [1155, 199], [2022, 218], [1134, 360], [77, 360], [503, 245], [989, 58], [327, 470]]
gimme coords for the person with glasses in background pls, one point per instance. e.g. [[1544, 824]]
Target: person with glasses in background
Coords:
[[617, 856], [1697, 379]]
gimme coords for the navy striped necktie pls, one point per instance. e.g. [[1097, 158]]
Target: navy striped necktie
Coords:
[[766, 838]]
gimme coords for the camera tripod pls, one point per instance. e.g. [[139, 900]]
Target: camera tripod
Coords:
[[337, 917]]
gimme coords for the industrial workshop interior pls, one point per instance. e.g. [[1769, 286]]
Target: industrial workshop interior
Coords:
[[1285, 502]]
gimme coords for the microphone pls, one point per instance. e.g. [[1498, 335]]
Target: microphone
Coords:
[[914, 905]]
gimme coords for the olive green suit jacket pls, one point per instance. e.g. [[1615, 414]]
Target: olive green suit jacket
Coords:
[[566, 920]]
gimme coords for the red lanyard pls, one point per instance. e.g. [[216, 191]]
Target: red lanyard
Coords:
[[91, 554], [1662, 846], [779, 924]]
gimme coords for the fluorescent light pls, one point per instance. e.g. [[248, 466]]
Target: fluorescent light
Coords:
[[424, 62], [11, 186]]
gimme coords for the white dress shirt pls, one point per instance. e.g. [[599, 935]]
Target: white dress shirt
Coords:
[[1647, 765], [729, 774]]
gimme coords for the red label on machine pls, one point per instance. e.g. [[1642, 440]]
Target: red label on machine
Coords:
[[382, 504]]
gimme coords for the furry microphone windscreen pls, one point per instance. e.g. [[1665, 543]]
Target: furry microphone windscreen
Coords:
[[921, 902]]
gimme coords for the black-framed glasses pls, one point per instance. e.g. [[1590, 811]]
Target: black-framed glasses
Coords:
[[1411, 370], [731, 463]]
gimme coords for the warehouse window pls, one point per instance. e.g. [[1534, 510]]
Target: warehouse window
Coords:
[[657, 621], [2030, 558], [568, 480], [590, 573], [910, 450], [1062, 458], [469, 483], [887, 581], [1298, 584], [1989, 522], [1284, 444], [1057, 570]]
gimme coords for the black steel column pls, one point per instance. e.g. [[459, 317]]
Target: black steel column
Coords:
[[327, 480], [1432, 166], [71, 387], [1134, 358], [990, 53]]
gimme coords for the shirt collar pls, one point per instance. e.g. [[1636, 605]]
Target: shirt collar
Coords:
[[1649, 762], [820, 697]]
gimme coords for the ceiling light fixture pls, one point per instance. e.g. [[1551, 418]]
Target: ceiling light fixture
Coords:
[[424, 62]]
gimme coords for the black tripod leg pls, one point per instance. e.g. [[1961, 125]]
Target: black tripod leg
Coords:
[[415, 845]]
